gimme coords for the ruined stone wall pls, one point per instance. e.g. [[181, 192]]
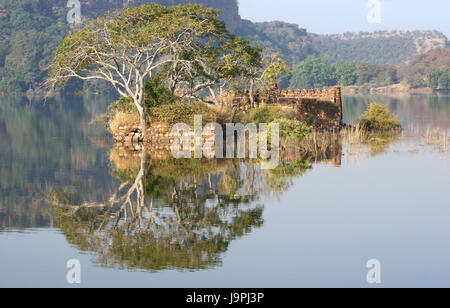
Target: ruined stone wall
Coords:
[[158, 139], [320, 108]]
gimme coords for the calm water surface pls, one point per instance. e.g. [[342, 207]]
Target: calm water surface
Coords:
[[313, 222]]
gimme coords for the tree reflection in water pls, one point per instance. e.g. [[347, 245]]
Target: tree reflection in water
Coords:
[[175, 214]]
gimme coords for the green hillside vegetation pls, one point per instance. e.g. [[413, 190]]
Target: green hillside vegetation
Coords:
[[30, 31], [320, 72], [439, 80], [292, 43], [416, 73]]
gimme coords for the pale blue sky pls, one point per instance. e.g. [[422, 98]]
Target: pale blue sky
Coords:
[[337, 16]]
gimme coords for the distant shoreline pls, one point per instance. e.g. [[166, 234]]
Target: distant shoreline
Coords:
[[394, 89]]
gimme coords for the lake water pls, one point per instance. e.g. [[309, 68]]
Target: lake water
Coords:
[[309, 223]]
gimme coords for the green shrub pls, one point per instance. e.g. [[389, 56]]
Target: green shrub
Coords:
[[124, 105], [155, 94], [263, 115], [293, 129], [378, 118], [439, 80], [182, 112]]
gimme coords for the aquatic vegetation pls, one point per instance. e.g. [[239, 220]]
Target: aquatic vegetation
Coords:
[[377, 141], [378, 118]]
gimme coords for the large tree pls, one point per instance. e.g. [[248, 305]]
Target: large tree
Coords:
[[126, 48]]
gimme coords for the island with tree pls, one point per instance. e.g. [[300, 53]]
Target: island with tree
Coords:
[[169, 64]]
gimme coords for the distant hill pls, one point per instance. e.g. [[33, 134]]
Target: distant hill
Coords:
[[292, 42], [382, 47], [31, 29], [416, 71]]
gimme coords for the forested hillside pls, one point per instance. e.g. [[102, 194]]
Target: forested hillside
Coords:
[[291, 42], [31, 29], [381, 47], [430, 69]]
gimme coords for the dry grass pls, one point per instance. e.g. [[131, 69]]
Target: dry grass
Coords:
[[318, 147], [431, 137], [438, 138], [223, 114], [376, 141], [416, 138], [122, 119]]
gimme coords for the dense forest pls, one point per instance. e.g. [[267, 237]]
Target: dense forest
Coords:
[[319, 72], [31, 29]]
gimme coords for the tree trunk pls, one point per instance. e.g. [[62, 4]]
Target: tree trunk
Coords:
[[142, 118], [213, 94], [251, 95]]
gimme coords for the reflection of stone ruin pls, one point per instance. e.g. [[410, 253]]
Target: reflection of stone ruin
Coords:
[[320, 108], [323, 147]]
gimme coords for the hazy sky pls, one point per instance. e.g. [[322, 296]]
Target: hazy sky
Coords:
[[337, 16]]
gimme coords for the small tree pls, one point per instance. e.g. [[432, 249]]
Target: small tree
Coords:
[[126, 48], [243, 61], [267, 72]]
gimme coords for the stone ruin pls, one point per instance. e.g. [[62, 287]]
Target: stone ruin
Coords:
[[322, 109], [158, 140]]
